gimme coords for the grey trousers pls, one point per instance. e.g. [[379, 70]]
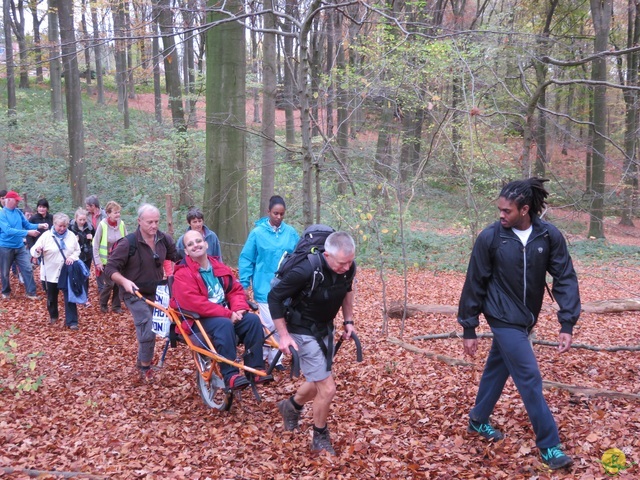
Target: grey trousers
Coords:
[[142, 313]]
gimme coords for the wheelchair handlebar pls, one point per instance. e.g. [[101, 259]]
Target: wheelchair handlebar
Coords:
[[356, 340], [295, 362]]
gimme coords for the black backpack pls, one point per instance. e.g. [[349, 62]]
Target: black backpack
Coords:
[[310, 247]]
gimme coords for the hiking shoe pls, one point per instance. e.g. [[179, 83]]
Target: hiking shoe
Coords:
[[53, 320], [290, 414], [32, 297], [104, 309], [238, 382], [485, 430], [322, 442], [144, 375], [555, 458], [73, 327], [116, 310], [260, 379], [6, 296]]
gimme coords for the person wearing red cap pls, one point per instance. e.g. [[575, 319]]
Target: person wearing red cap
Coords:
[[14, 227]]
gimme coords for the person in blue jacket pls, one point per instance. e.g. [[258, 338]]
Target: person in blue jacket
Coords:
[[506, 282], [14, 227], [260, 256], [195, 219]]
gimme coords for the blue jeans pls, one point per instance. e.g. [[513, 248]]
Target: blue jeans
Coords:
[[222, 334], [23, 260], [511, 354]]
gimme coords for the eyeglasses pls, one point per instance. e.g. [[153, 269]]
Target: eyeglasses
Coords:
[[156, 259]]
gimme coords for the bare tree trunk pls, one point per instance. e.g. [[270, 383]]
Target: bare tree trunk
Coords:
[[316, 69], [542, 156], [131, 83], [255, 68], [328, 31], [188, 62], [269, 89], [87, 51], [97, 52], [11, 76], [601, 15], [171, 65], [289, 77], [225, 193], [157, 88], [383, 166], [73, 93], [411, 143], [568, 122], [17, 21], [540, 132], [630, 171], [342, 99], [55, 65], [305, 121], [172, 75], [121, 59], [37, 39]]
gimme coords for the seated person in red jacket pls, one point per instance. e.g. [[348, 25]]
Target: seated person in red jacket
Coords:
[[206, 286]]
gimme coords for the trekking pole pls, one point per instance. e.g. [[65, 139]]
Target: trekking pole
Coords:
[[356, 340]]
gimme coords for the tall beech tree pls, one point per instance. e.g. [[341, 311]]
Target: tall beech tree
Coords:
[[601, 15], [225, 194], [73, 93]]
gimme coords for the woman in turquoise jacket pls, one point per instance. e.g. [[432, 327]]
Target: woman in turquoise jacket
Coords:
[[260, 256]]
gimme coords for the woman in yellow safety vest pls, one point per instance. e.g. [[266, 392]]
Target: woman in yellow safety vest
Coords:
[[108, 232]]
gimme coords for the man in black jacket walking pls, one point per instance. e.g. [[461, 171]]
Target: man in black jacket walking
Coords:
[[506, 281]]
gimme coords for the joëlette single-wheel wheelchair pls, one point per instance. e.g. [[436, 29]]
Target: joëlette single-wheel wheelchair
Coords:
[[211, 386]]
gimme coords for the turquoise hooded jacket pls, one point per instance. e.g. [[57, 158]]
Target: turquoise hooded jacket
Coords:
[[261, 253]]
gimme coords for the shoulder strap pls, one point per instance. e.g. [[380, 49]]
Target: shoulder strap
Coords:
[[133, 243], [59, 247], [318, 276]]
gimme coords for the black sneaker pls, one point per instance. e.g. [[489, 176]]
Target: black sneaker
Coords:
[[485, 430], [238, 382], [555, 458], [261, 379], [290, 414], [322, 442]]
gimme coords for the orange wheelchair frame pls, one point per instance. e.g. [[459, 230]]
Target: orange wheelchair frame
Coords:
[[211, 386]]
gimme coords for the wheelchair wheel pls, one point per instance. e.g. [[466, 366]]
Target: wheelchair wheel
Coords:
[[214, 392]]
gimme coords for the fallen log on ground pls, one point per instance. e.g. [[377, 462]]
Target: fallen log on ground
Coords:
[[437, 356], [589, 391], [547, 343], [615, 305], [573, 389], [50, 473]]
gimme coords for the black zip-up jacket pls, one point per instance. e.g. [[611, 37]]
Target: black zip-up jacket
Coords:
[[506, 280]]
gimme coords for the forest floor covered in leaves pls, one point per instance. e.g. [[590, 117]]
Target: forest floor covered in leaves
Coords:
[[398, 414]]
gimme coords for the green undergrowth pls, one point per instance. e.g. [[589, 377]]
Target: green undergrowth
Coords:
[[435, 230]]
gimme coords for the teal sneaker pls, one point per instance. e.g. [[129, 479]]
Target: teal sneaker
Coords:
[[555, 458], [485, 430]]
